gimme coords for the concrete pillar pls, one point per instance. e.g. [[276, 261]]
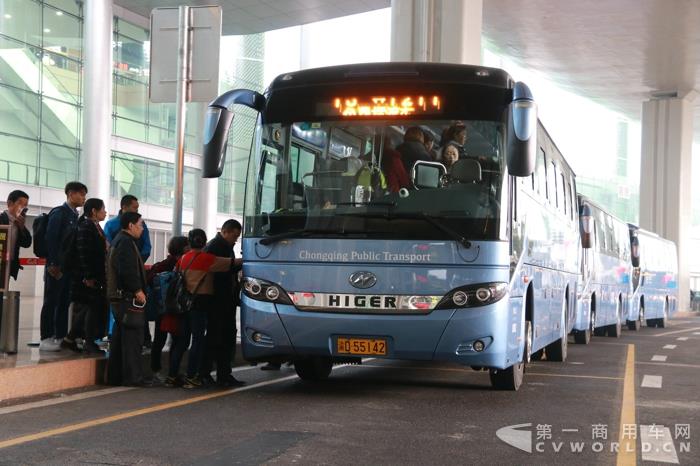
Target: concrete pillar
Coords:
[[207, 189], [97, 98], [446, 31], [664, 190]]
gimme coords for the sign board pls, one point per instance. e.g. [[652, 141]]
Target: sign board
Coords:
[[203, 67], [4, 258]]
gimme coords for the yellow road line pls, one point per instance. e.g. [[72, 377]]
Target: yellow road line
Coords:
[[627, 453], [129, 414]]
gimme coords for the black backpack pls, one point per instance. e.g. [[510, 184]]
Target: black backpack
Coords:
[[178, 300], [39, 234]]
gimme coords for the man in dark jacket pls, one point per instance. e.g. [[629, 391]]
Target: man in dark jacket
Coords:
[[15, 217], [412, 149], [18, 234], [221, 326], [126, 285], [54, 312]]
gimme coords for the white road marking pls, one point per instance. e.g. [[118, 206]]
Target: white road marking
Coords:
[[669, 346], [652, 381], [659, 358], [682, 338], [61, 400], [577, 363], [677, 331], [657, 444], [696, 333]]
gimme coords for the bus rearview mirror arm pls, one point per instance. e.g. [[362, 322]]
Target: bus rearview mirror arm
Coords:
[[217, 124], [522, 132]]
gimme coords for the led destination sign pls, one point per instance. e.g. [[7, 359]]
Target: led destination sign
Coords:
[[387, 105]]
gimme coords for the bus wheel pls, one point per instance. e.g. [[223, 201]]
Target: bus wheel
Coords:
[[634, 324], [615, 330], [661, 323], [511, 378], [313, 369], [583, 337], [556, 351]]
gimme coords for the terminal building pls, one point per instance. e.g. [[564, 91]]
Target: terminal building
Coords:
[[74, 97]]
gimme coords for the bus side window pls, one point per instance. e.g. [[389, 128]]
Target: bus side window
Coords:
[[541, 174], [562, 191], [552, 184]]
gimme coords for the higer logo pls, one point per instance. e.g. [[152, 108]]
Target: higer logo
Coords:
[[520, 439]]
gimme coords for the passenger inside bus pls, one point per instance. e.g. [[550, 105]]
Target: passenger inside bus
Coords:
[[412, 148], [450, 154]]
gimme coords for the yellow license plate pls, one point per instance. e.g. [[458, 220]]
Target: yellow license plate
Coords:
[[364, 346]]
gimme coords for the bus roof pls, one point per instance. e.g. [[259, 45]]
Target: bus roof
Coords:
[[395, 72]]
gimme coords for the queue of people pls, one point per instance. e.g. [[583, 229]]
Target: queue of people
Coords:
[[93, 274]]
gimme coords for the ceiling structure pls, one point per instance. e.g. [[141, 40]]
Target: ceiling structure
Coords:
[[618, 53]]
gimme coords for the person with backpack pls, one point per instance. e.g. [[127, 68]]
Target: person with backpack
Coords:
[[126, 290], [52, 235], [89, 284], [198, 268], [156, 278]]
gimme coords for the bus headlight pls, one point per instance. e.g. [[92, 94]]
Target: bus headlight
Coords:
[[262, 290], [480, 294]]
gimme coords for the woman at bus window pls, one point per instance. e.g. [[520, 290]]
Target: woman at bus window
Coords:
[[456, 134], [450, 154]]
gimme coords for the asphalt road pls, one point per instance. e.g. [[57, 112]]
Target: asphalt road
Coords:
[[612, 396]]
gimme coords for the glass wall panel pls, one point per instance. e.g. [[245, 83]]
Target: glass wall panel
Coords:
[[61, 77], [130, 57], [60, 122], [19, 112], [58, 165], [20, 19], [130, 98], [19, 64], [62, 33], [18, 159], [69, 6], [130, 129]]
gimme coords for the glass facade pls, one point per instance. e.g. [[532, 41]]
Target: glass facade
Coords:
[[135, 117], [151, 181], [40, 91]]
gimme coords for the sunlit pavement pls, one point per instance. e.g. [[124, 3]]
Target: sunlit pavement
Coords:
[[392, 412]]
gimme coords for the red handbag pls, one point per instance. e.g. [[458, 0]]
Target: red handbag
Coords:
[[170, 323]]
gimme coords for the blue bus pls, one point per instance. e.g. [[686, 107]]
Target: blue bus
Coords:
[[357, 243], [654, 279], [605, 288]]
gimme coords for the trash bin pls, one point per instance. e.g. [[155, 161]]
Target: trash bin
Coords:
[[9, 322]]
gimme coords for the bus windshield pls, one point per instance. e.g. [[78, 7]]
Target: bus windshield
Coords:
[[353, 179]]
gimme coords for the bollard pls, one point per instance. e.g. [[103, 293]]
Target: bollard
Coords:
[[9, 322]]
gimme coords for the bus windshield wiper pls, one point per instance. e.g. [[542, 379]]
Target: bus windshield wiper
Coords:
[[304, 232], [434, 221]]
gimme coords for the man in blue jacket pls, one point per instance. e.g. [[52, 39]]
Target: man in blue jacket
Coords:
[[129, 203], [54, 312]]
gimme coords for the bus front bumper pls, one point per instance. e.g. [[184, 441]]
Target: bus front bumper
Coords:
[[488, 336]]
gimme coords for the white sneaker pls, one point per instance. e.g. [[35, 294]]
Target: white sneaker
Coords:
[[49, 344]]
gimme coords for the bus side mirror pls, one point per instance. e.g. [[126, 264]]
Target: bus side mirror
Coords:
[[427, 174], [217, 125], [635, 251], [521, 141]]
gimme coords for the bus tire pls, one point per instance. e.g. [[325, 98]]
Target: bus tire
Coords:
[[583, 337], [313, 369], [634, 325], [615, 330], [661, 323], [511, 378]]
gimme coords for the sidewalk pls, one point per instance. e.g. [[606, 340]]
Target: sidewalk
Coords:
[[31, 372]]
